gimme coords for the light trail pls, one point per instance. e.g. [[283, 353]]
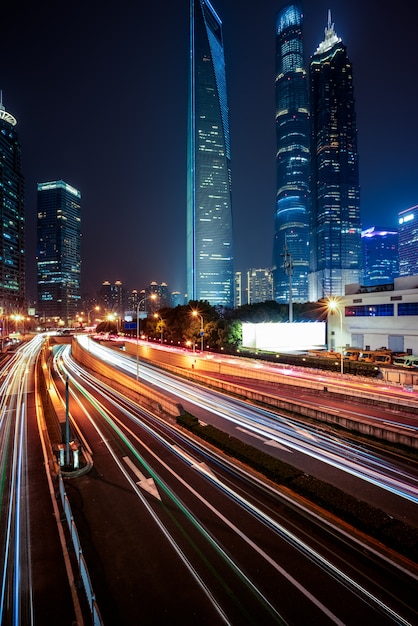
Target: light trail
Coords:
[[348, 458], [16, 600], [122, 404]]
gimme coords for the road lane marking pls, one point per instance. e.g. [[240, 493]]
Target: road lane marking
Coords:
[[201, 466], [147, 484], [268, 442]]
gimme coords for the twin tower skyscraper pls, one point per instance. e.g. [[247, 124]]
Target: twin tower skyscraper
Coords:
[[317, 238]]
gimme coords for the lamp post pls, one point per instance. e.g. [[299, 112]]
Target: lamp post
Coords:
[[197, 314], [96, 308], [332, 307], [152, 297]]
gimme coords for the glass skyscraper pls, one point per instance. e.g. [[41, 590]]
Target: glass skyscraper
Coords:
[[292, 159], [209, 215], [380, 256], [335, 229], [12, 218], [59, 251], [408, 242]]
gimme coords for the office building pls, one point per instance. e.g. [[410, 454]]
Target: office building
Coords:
[[380, 256], [12, 224], [209, 214], [408, 242], [59, 252], [259, 285], [292, 160], [335, 228]]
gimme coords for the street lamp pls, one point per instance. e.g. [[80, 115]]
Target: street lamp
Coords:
[[96, 308], [151, 297], [197, 314], [17, 318], [161, 326], [332, 307]]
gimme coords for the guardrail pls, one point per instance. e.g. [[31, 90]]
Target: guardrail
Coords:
[[96, 619]]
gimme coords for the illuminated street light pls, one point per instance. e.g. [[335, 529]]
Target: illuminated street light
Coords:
[[153, 296], [17, 318], [96, 308], [197, 314], [334, 306]]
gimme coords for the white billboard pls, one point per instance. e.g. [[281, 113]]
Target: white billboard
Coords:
[[284, 337]]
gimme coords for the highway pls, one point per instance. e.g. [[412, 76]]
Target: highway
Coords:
[[277, 432], [174, 533], [34, 581]]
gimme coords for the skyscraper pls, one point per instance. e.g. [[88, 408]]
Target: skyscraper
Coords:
[[380, 256], [292, 159], [209, 215], [335, 229], [12, 217], [59, 251], [408, 242]]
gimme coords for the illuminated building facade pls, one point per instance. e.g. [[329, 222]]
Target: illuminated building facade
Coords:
[[12, 217], [408, 242], [259, 285], [380, 256], [335, 228], [209, 213], [292, 159], [59, 251], [113, 297]]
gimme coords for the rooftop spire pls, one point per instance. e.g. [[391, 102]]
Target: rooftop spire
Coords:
[[330, 38], [4, 115]]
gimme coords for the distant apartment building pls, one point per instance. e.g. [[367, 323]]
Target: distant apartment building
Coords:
[[259, 285], [380, 256], [113, 297], [237, 289], [177, 299], [408, 242], [59, 251]]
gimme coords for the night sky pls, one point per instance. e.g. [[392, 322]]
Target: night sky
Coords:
[[99, 90]]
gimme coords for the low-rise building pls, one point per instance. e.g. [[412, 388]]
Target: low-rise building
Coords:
[[376, 317]]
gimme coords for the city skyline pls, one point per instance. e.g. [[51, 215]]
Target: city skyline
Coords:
[[114, 125]]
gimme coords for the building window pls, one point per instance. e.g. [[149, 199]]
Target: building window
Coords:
[[407, 308], [376, 310]]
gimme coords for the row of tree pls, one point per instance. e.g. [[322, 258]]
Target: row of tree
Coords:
[[222, 327]]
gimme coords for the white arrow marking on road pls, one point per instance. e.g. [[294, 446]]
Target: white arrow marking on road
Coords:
[[147, 484], [202, 467], [267, 442]]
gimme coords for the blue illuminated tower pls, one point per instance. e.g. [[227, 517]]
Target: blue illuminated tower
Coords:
[[335, 230], [209, 216], [59, 251], [408, 242], [380, 255], [291, 236], [12, 218]]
